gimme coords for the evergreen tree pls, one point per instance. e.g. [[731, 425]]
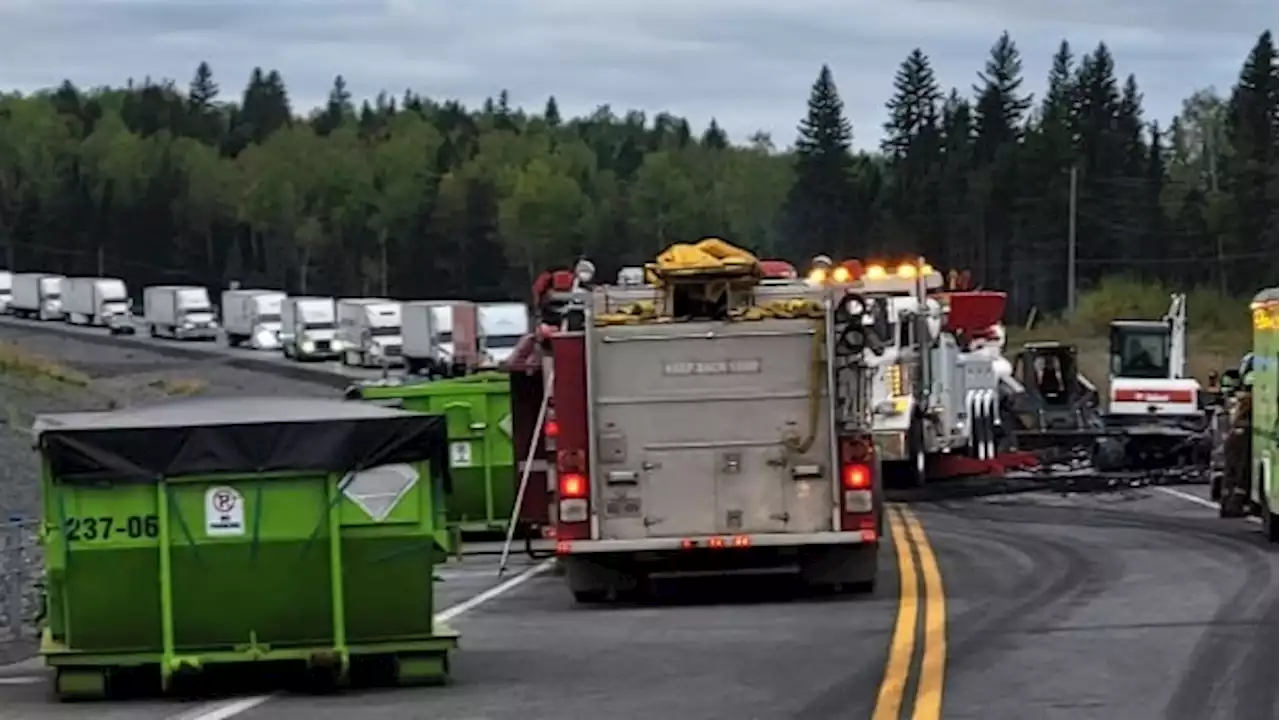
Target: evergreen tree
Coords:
[[551, 113], [336, 110], [816, 214], [715, 137], [913, 105]]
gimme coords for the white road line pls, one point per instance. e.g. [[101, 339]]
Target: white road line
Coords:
[[224, 710], [1198, 500]]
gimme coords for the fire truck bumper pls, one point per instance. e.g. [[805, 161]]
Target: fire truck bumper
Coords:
[[716, 542]]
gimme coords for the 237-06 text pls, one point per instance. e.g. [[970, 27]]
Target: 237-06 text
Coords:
[[105, 528]]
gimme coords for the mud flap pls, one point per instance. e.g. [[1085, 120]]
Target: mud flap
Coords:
[[848, 566]]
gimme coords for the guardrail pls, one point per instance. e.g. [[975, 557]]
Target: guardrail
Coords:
[[20, 587]]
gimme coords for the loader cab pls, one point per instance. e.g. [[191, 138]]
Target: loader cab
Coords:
[[1141, 350], [1049, 368]]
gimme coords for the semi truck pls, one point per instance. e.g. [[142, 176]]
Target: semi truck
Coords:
[[370, 332], [935, 384], [96, 301], [502, 325], [440, 337], [37, 296], [181, 312], [252, 316], [308, 328], [738, 440]]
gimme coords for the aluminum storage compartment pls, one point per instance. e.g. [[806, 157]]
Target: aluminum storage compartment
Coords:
[[216, 531], [477, 409]]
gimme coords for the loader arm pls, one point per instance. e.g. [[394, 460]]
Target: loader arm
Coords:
[[1176, 317]]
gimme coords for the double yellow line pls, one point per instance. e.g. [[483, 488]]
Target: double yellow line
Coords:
[[917, 566]]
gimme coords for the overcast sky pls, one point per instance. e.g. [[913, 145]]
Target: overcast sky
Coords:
[[749, 63]]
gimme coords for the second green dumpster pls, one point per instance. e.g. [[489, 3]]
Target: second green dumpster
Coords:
[[477, 409]]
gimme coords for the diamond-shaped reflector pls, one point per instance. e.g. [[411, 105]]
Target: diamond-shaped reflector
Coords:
[[378, 490]]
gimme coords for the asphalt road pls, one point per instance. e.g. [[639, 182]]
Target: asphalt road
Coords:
[[1133, 604]]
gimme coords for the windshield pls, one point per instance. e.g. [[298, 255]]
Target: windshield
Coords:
[[385, 331], [319, 325], [444, 337], [272, 318], [1140, 353], [502, 341]]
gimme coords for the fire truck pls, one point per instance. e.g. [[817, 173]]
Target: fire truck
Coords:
[[935, 384], [710, 421]]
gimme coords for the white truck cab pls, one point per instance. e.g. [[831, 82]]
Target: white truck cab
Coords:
[[309, 328], [94, 300], [502, 326], [370, 332], [252, 316], [37, 296], [182, 312]]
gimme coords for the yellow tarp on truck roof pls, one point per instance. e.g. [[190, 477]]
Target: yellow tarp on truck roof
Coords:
[[709, 257]]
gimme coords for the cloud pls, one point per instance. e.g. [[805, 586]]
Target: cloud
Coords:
[[749, 63]]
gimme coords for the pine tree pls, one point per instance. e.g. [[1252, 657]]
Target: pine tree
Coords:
[[715, 137], [1252, 130], [914, 103], [203, 90], [1000, 108], [817, 210], [337, 109], [551, 113]]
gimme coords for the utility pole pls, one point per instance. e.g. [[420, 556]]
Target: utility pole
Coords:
[[1071, 240]]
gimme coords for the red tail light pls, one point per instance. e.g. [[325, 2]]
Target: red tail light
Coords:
[[856, 476], [573, 485], [551, 429]]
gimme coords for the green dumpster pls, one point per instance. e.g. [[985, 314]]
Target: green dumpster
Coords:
[[214, 531], [477, 410]]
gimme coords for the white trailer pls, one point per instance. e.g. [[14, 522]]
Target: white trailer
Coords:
[[252, 316], [309, 328], [502, 326], [37, 295], [712, 446], [440, 337], [6, 290], [369, 330], [94, 301], [182, 312]]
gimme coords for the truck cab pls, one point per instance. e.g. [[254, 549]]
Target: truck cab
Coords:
[[370, 331], [252, 316], [182, 312], [308, 328], [501, 325], [37, 296]]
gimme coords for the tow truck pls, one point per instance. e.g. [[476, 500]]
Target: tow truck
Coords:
[[709, 422], [935, 386]]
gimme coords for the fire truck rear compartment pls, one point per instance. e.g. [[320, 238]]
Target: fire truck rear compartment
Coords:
[[707, 428], [713, 455]]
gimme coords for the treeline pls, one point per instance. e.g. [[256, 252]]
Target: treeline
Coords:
[[417, 198]]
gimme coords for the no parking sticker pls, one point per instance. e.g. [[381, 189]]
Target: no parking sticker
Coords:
[[223, 512]]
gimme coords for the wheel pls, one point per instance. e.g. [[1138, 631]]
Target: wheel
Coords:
[[917, 471]]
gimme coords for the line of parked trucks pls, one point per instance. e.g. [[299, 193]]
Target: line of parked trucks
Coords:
[[437, 338]]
